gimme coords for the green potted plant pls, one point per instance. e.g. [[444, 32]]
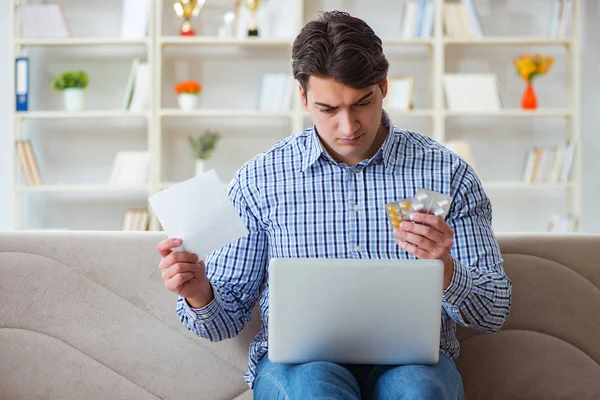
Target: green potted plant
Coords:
[[72, 84], [203, 147]]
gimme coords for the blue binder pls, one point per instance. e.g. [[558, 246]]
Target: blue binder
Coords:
[[22, 83]]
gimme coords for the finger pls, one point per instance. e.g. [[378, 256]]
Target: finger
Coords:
[[178, 268], [177, 257], [417, 240], [423, 230], [174, 284], [432, 220], [200, 271], [414, 250], [165, 246]]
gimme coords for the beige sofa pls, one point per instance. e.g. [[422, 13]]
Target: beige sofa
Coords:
[[84, 315]]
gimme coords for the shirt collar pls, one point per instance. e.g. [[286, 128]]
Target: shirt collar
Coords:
[[314, 148]]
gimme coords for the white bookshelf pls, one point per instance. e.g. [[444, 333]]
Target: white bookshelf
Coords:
[[165, 126]]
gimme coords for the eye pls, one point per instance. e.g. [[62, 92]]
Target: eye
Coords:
[[327, 110], [364, 104]]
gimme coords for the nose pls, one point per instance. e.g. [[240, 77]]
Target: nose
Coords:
[[347, 123]]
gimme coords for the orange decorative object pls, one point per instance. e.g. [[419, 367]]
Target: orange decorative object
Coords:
[[191, 87], [529, 100], [191, 32], [530, 66]]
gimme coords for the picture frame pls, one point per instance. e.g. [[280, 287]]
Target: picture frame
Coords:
[[400, 93]]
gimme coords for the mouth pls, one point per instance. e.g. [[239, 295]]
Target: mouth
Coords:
[[350, 141]]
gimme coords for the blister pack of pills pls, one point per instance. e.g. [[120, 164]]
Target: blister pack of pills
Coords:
[[398, 211], [425, 201], [430, 202]]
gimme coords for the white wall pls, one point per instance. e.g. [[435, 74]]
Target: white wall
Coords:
[[5, 124], [591, 118]]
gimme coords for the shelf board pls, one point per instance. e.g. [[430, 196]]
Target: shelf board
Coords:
[[512, 112], [85, 41], [80, 114], [399, 41], [509, 40], [99, 188], [518, 185], [216, 41], [166, 184], [411, 113], [221, 113]]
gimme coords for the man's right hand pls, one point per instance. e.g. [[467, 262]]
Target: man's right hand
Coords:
[[183, 273]]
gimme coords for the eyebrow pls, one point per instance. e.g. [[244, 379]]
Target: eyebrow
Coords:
[[356, 102]]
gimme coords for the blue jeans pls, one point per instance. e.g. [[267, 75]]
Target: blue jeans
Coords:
[[325, 380]]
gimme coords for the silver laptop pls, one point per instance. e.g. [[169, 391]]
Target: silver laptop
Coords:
[[355, 311]]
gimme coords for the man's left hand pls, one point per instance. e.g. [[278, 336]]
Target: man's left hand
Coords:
[[429, 239]]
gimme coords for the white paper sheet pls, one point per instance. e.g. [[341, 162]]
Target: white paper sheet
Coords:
[[199, 212]]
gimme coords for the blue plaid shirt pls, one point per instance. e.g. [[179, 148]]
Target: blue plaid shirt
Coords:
[[296, 201]]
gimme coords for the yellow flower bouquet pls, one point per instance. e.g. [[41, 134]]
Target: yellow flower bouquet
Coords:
[[528, 67]]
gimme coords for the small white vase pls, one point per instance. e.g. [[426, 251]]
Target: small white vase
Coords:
[[187, 101], [200, 167], [73, 99]]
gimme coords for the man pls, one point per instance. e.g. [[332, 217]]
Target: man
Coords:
[[321, 193]]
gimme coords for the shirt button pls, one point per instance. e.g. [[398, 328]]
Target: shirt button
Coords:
[[354, 170], [356, 208], [358, 249]]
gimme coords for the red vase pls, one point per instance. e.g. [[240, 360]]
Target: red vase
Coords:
[[529, 100]]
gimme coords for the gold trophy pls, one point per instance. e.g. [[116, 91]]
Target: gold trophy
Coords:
[[253, 6], [187, 9]]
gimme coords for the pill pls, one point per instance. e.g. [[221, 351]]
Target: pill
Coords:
[[421, 196], [393, 209], [438, 212], [396, 224], [404, 204], [418, 206], [442, 203]]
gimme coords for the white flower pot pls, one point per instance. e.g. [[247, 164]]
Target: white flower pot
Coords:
[[187, 101], [73, 99], [200, 167]]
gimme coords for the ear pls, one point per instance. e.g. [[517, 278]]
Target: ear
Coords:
[[303, 97], [384, 87]]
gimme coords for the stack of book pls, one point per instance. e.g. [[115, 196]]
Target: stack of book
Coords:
[[29, 165], [135, 219], [461, 20], [562, 224], [561, 22], [549, 163], [417, 19]]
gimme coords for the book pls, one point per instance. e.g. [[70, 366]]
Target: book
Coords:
[[43, 21], [134, 19], [471, 17], [462, 148], [130, 168], [28, 163], [135, 219], [140, 98], [472, 92], [275, 93], [131, 84], [22, 83], [549, 163]]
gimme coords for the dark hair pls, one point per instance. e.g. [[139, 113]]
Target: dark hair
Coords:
[[339, 46]]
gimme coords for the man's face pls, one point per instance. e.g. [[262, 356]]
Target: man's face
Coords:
[[348, 120]]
